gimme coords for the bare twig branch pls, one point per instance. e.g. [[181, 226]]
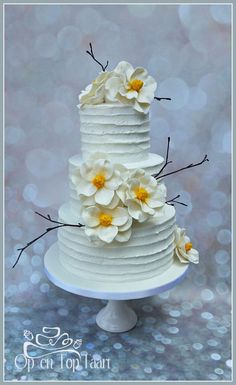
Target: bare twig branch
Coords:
[[166, 160], [92, 55], [172, 201], [48, 218], [205, 159], [155, 97]]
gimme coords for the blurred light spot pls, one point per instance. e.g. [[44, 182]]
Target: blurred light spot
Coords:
[[48, 14], [35, 278], [177, 90], [207, 315], [212, 342], [148, 370], [222, 257], [229, 363], [207, 295], [63, 312], [222, 288], [216, 356], [46, 45], [41, 163], [36, 260], [30, 192], [214, 218], [175, 313], [218, 199], [224, 237], [14, 135], [44, 287], [197, 346], [117, 346], [15, 232], [221, 13], [197, 99], [69, 38]]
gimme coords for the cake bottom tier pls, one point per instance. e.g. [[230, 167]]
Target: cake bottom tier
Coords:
[[148, 253]]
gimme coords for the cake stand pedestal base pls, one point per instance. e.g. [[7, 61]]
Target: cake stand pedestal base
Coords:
[[116, 316]]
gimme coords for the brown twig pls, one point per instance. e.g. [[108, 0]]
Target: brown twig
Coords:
[[48, 218], [166, 160], [155, 97], [173, 200], [205, 159], [92, 55]]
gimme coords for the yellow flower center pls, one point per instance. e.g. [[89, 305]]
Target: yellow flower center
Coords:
[[188, 246], [105, 219], [141, 194], [135, 85], [99, 180]]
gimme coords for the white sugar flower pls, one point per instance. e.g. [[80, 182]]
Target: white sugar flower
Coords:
[[183, 249], [96, 181], [107, 225], [143, 195], [131, 86], [95, 93]]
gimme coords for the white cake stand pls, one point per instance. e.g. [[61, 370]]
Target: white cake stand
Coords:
[[116, 316]]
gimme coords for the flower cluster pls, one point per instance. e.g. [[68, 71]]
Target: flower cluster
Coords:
[[112, 198], [184, 248], [124, 85]]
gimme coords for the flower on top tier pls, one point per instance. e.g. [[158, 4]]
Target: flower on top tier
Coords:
[[131, 86], [143, 195], [184, 248], [96, 181], [107, 225], [95, 93]]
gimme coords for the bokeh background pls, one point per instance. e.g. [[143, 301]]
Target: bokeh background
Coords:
[[183, 334]]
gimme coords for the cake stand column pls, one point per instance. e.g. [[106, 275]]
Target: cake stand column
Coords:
[[116, 317]]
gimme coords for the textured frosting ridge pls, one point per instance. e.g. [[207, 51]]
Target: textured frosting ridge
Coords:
[[149, 251], [118, 130]]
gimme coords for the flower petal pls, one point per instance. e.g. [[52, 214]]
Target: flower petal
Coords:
[[124, 236], [90, 216], [107, 234], [114, 182], [193, 256], [86, 188], [104, 196], [140, 73], [120, 216], [180, 257], [114, 202], [127, 225], [124, 68], [146, 209]]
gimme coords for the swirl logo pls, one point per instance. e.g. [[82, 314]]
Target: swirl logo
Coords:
[[48, 343]]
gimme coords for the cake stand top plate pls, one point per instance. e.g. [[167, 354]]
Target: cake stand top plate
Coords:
[[110, 290]]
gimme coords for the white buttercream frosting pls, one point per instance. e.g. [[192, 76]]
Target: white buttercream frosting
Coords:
[[118, 130], [148, 252]]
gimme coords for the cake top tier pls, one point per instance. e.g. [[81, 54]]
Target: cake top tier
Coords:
[[122, 86]]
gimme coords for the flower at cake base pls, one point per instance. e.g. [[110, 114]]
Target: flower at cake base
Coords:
[[107, 225], [95, 93], [96, 181], [183, 249], [131, 86], [143, 195]]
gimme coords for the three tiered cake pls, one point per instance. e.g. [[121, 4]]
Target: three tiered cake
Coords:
[[129, 232]]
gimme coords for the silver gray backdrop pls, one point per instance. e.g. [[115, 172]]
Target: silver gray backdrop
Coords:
[[183, 334]]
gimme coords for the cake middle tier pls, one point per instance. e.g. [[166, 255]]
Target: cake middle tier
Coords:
[[151, 165], [149, 251], [116, 129]]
